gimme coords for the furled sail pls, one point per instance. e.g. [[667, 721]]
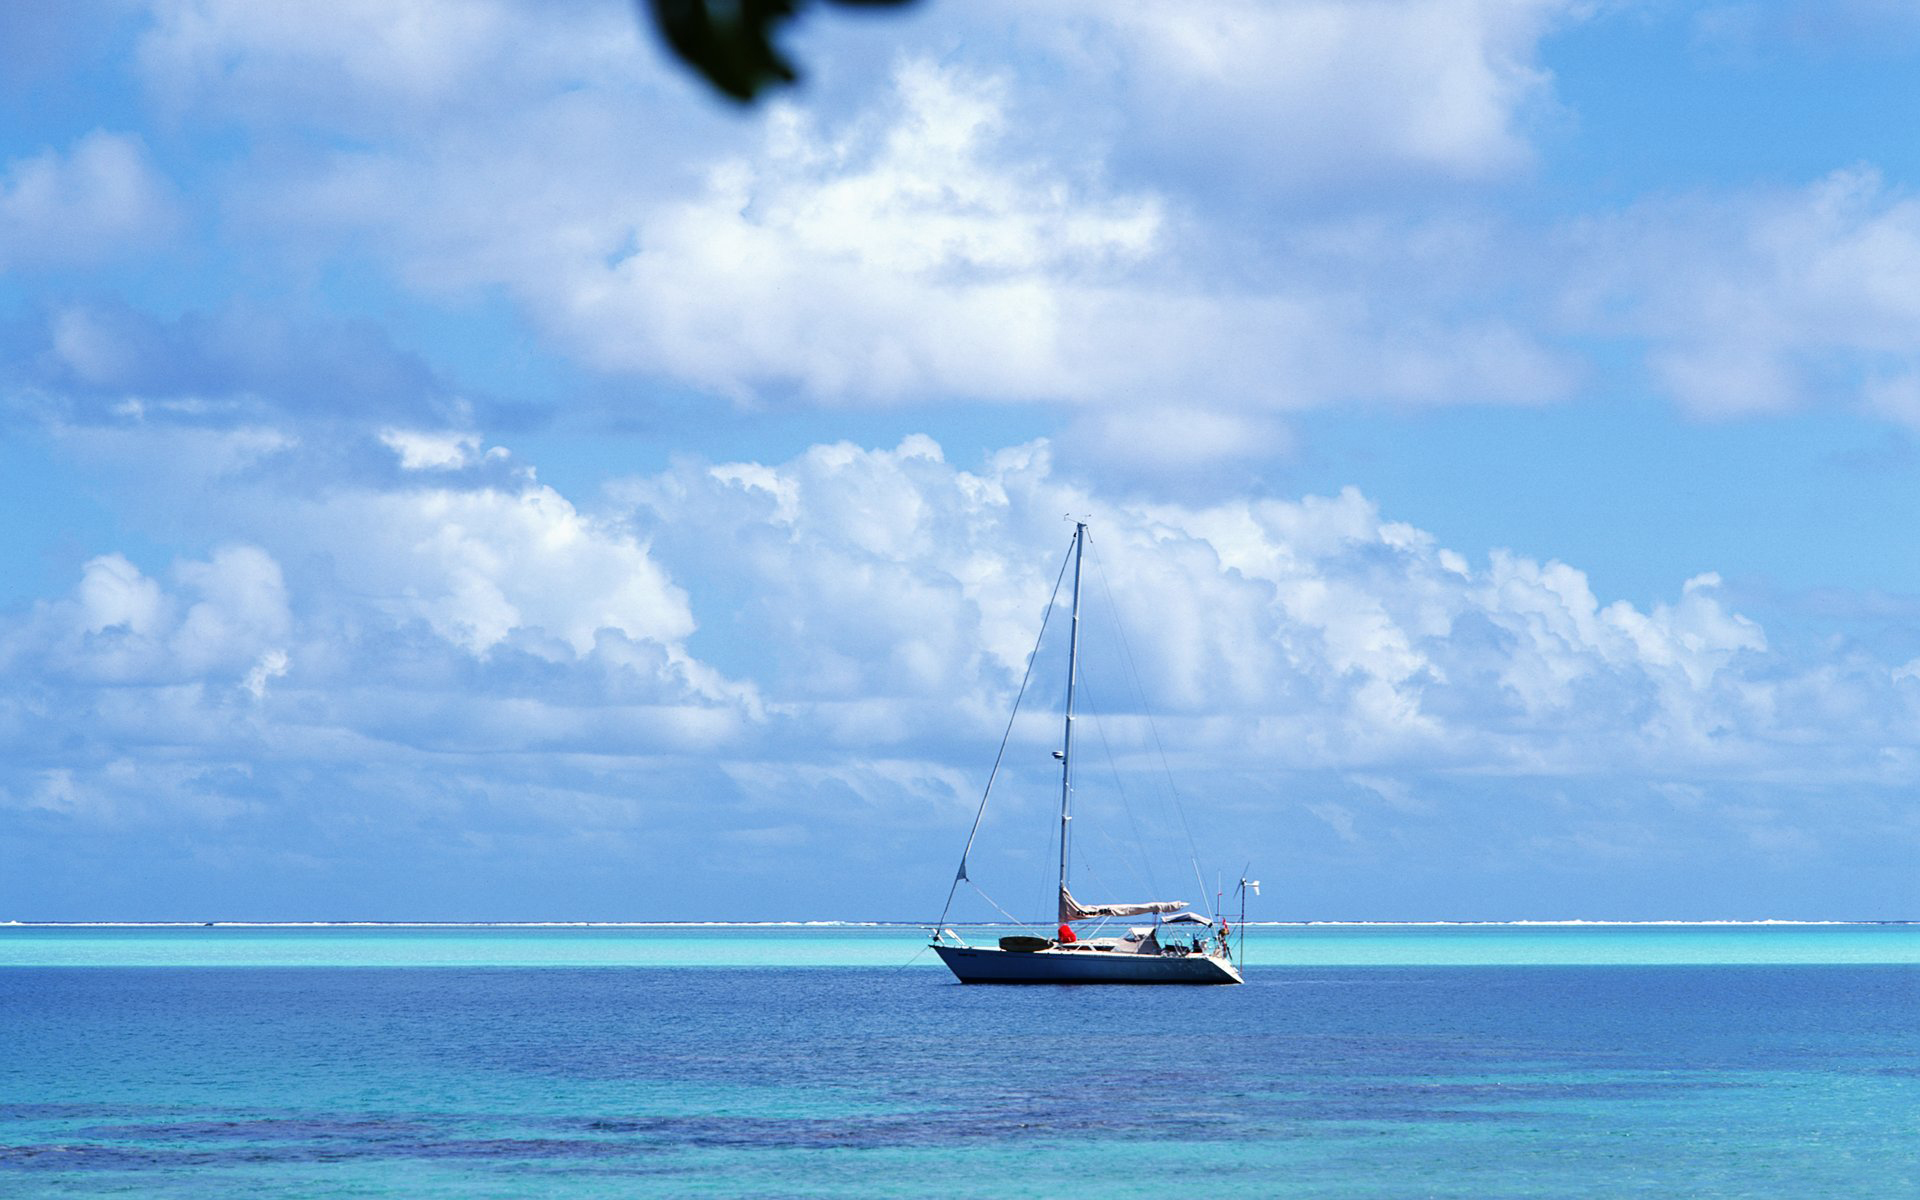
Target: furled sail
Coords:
[[1073, 910]]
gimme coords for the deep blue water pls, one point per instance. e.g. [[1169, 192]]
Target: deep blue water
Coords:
[[1735, 1081]]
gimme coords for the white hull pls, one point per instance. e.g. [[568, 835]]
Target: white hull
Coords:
[[972, 964]]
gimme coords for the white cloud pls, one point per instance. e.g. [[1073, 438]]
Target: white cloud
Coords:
[[865, 575], [420, 450], [1769, 301], [461, 541], [946, 237], [122, 626], [897, 595], [876, 263], [480, 565], [1310, 92], [1178, 224], [100, 198], [914, 254], [825, 648], [491, 616], [243, 607], [272, 665], [113, 594]]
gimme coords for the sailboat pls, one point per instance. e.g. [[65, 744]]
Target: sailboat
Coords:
[[1179, 946]]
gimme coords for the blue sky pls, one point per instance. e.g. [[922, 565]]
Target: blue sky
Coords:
[[457, 469]]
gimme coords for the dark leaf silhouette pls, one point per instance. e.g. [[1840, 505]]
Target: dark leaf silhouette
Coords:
[[731, 42]]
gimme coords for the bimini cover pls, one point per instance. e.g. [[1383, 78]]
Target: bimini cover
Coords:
[[1073, 910], [1188, 918]]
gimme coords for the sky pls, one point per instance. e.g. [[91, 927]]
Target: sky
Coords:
[[455, 467]]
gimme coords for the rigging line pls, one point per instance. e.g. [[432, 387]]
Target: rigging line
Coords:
[[1116, 632], [1098, 882], [1137, 861], [1103, 922], [1173, 789], [1140, 860], [1032, 657], [996, 906]]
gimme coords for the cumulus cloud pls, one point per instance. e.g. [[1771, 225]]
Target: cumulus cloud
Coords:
[[819, 653], [898, 594], [890, 261], [478, 615], [858, 601], [122, 626], [478, 565], [99, 198]]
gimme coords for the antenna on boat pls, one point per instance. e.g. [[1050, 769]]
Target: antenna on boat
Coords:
[[1245, 883]]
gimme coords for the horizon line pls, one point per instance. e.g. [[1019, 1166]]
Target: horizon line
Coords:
[[1574, 922]]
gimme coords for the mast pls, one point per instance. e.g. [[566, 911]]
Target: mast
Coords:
[[1073, 663]]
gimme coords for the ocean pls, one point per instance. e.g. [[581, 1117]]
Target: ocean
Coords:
[[1358, 1061]]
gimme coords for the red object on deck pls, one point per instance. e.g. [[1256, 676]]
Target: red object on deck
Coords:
[[1066, 933]]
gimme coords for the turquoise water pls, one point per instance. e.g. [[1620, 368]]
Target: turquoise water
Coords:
[[1779, 1061], [884, 946]]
